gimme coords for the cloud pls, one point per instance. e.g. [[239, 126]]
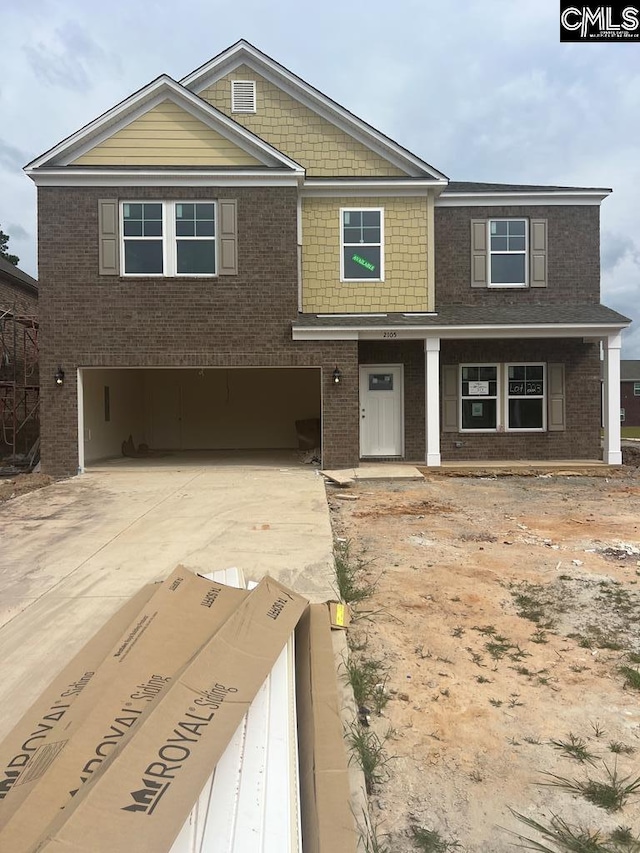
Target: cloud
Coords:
[[11, 158], [617, 248], [66, 58]]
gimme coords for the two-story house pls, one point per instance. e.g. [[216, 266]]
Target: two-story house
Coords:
[[228, 255]]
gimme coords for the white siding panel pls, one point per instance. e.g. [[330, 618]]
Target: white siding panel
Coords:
[[251, 802]]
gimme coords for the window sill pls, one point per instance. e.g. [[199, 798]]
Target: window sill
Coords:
[[507, 286]]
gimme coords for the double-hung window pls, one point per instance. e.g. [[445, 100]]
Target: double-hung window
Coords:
[[479, 397], [507, 241], [636, 389], [503, 397], [171, 238], [525, 397], [362, 239]]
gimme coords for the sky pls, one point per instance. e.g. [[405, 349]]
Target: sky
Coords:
[[481, 89]]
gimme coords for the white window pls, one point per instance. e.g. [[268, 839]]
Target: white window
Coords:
[[636, 389], [243, 96], [503, 397], [525, 392], [507, 241], [479, 397], [170, 238], [623, 416], [362, 240]]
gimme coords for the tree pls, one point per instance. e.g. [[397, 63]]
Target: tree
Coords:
[[4, 249]]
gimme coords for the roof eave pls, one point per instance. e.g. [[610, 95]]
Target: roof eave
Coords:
[[104, 125]]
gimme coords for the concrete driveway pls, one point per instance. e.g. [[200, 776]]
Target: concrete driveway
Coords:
[[72, 553]]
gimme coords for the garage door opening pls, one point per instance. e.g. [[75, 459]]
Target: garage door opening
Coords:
[[172, 409]]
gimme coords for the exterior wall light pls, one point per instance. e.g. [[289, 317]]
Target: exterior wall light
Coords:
[[59, 376], [336, 376]]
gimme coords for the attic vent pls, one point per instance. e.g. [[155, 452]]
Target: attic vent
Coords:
[[243, 96]]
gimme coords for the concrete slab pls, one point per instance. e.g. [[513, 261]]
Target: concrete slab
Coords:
[[379, 471], [73, 552]]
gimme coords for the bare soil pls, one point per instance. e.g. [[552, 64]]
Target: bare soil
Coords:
[[21, 484], [503, 611]]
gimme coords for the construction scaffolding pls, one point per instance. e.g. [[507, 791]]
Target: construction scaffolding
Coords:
[[19, 387]]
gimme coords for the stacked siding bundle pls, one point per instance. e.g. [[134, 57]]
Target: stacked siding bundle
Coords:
[[174, 729]]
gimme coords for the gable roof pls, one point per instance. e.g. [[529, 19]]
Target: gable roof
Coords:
[[244, 53], [18, 277], [140, 102]]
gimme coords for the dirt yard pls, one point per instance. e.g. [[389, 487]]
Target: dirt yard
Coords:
[[503, 612]]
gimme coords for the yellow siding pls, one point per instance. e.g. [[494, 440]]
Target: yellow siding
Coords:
[[166, 136], [319, 146], [406, 264]]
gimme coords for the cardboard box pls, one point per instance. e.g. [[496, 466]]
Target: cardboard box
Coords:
[[46, 717], [150, 782], [328, 824], [339, 614], [183, 614]]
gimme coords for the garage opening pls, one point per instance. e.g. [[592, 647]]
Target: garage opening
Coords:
[[173, 409]]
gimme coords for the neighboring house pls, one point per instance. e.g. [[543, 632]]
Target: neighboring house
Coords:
[[630, 393], [226, 256], [19, 379]]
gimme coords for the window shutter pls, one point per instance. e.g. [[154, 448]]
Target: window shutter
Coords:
[[108, 237], [538, 251], [450, 398], [478, 253], [556, 404], [228, 262]]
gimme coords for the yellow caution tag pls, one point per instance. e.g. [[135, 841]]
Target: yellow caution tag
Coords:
[[340, 614]]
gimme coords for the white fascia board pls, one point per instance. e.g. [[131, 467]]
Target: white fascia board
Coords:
[[528, 199], [541, 330], [244, 53], [362, 187], [164, 88], [110, 177]]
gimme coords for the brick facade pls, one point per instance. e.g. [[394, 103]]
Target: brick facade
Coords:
[[573, 256], [244, 320], [630, 403], [580, 439]]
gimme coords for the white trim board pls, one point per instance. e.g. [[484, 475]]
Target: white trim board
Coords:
[[251, 801], [79, 176], [531, 198], [362, 333]]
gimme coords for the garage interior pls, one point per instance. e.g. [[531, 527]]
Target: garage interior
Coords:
[[199, 409]]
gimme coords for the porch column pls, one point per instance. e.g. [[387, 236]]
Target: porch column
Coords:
[[432, 400], [612, 453]]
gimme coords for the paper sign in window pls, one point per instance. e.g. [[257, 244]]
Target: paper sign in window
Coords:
[[478, 389]]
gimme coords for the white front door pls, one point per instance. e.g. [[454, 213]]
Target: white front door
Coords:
[[381, 410]]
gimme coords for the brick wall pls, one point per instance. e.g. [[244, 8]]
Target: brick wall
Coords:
[[244, 320], [573, 256], [580, 439], [630, 403], [15, 298]]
